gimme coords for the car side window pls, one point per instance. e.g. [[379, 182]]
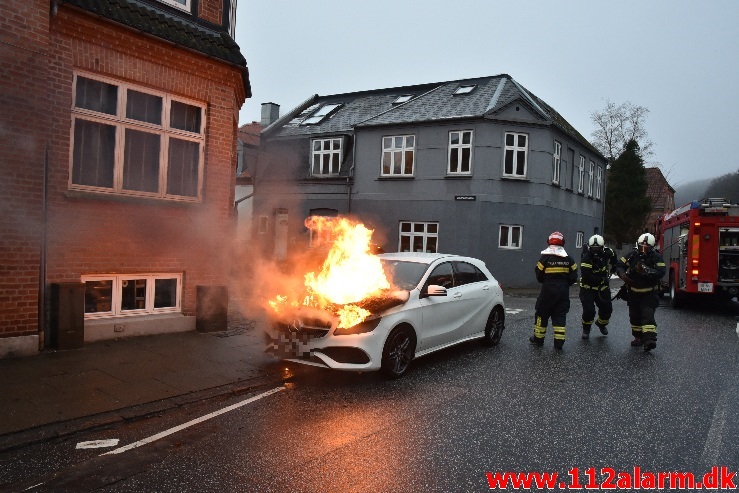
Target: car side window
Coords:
[[467, 273], [442, 275]]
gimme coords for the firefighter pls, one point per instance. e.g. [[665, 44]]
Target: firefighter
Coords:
[[597, 264], [641, 270], [556, 271]]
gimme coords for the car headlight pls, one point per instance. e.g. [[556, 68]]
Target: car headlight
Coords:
[[368, 325]]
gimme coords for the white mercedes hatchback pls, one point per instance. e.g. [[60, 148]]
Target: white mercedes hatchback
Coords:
[[443, 300]]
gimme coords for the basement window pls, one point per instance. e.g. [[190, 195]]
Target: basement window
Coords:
[[118, 295]]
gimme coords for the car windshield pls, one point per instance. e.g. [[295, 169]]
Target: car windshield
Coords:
[[403, 275]]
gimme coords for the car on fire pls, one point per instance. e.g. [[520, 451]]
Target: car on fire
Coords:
[[439, 300]]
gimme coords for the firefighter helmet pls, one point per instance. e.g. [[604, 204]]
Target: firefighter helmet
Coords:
[[556, 238], [596, 241], [645, 242]]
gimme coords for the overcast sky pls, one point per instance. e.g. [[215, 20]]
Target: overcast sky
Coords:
[[679, 59]]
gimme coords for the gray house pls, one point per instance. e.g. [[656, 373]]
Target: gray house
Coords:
[[479, 167]]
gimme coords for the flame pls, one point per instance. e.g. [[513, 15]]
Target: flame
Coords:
[[349, 274]]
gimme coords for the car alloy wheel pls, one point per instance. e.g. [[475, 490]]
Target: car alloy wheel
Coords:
[[398, 352], [494, 327]]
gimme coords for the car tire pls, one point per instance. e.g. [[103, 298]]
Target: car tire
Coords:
[[675, 298], [399, 350], [494, 327]]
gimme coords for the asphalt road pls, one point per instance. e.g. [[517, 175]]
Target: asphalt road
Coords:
[[456, 416]]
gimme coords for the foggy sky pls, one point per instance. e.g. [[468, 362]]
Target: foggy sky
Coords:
[[677, 58]]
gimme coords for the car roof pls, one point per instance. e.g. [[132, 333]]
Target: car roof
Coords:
[[419, 257]]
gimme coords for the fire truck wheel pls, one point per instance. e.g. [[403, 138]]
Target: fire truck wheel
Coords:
[[494, 327], [675, 298], [400, 348]]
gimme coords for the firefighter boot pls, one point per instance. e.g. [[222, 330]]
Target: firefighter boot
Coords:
[[649, 344], [558, 343], [637, 341], [539, 341], [603, 328], [585, 331]]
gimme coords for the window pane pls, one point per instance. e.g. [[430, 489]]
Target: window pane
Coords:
[[405, 227], [334, 163], [466, 137], [432, 228], [316, 145], [96, 96], [408, 163], [516, 237], [521, 141], [182, 168], [466, 273], [410, 141], [133, 294], [387, 142], [418, 243], [336, 144], [386, 163], [405, 244], [465, 160], [185, 117], [165, 293], [144, 107], [419, 228], [509, 139], [431, 244], [316, 164], [508, 169], [397, 162], [94, 154], [454, 160], [503, 236], [442, 275], [454, 138], [98, 295], [398, 142], [520, 162], [141, 161]]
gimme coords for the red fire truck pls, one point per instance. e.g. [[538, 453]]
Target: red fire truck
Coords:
[[700, 244]]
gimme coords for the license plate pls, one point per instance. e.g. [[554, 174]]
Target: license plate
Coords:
[[705, 287]]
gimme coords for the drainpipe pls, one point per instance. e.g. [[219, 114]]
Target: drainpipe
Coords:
[[351, 175], [42, 254]]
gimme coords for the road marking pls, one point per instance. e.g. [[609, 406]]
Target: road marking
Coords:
[[513, 311], [98, 443], [193, 422], [715, 432]]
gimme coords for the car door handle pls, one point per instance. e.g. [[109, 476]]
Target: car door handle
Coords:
[[486, 288], [457, 295]]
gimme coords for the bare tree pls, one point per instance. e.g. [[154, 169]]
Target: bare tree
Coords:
[[617, 125]]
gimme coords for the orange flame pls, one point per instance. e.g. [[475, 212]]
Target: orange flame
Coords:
[[349, 274]]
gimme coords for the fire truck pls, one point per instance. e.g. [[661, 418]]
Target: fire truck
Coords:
[[700, 244]]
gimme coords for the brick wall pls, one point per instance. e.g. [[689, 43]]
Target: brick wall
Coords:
[[211, 10], [24, 32]]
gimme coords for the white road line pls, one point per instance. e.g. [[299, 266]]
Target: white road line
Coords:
[[513, 311], [715, 432], [193, 422], [112, 442]]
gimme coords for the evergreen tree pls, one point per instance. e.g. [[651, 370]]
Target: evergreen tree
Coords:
[[627, 204]]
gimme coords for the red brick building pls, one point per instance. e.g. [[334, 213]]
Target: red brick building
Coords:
[[118, 129], [662, 195]]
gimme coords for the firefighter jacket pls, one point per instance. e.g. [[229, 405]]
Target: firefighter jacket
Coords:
[[643, 270], [596, 270], [556, 267]]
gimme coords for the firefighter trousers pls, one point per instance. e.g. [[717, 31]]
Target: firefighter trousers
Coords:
[[553, 302], [592, 298], [641, 314]]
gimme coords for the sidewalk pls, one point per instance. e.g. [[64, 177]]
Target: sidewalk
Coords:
[[118, 379]]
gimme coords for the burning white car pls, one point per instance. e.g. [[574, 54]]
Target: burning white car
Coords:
[[417, 303]]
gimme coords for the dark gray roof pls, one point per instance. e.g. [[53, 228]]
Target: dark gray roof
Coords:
[[176, 28], [432, 102]]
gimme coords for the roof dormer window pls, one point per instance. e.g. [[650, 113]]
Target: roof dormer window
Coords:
[[465, 89], [403, 98], [321, 113]]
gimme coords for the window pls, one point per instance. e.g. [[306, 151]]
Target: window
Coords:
[[510, 236], [326, 157], [180, 4], [598, 182], [591, 178], [442, 275], [516, 151], [320, 224], [460, 152], [262, 225], [403, 98], [232, 20], [321, 113], [578, 239], [571, 153], [556, 162], [581, 180], [134, 141], [418, 237], [117, 295], [398, 154], [465, 89], [466, 273]]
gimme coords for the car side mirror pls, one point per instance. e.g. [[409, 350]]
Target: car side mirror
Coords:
[[433, 290]]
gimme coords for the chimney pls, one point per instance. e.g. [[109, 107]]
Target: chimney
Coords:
[[270, 113]]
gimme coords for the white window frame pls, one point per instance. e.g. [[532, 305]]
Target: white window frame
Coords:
[[232, 19], [121, 123], [556, 162], [320, 114], [579, 236], [117, 292], [178, 5], [598, 182], [331, 151], [460, 148], [425, 230], [581, 181], [505, 240], [390, 150], [591, 178], [515, 149], [464, 89]]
